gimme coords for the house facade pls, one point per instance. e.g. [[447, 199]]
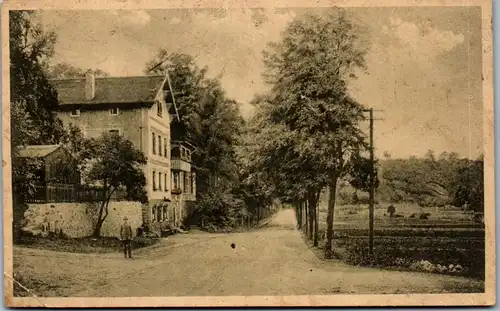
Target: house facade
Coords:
[[141, 109]]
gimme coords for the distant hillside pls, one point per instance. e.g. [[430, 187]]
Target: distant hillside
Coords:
[[431, 182]]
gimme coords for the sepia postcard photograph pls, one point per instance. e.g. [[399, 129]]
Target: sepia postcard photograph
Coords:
[[247, 153]]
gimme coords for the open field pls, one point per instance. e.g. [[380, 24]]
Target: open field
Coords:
[[447, 237]]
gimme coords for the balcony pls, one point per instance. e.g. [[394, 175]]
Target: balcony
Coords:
[[180, 165]]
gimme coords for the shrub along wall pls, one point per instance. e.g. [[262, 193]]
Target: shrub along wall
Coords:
[[77, 219]]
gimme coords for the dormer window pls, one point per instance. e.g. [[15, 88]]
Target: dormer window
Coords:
[[159, 107], [75, 112], [114, 111]]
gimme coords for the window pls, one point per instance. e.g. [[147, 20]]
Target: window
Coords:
[[159, 106], [186, 183], [165, 182], [154, 143], [113, 111], [75, 112], [154, 181], [176, 180], [193, 182], [117, 132], [159, 145], [153, 211], [165, 153], [159, 181]]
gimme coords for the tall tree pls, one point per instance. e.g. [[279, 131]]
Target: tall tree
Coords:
[[32, 98], [309, 71], [112, 162], [209, 120], [30, 90]]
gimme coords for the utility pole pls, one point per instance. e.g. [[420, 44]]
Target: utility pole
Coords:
[[372, 183], [371, 207]]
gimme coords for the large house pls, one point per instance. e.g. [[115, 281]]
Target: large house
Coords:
[[141, 109]]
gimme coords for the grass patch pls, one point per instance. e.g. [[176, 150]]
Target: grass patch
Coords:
[[82, 245]]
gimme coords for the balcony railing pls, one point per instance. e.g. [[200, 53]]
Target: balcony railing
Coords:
[[180, 165]]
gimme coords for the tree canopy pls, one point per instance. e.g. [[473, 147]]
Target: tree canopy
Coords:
[[65, 71], [32, 98], [111, 161], [211, 122], [308, 124]]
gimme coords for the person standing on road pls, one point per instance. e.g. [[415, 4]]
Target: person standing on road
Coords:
[[126, 237]]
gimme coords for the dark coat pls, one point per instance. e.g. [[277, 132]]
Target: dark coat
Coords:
[[126, 232]]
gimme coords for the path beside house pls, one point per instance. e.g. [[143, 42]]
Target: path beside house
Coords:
[[271, 261]]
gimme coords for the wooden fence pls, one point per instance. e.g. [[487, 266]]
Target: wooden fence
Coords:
[[59, 193]]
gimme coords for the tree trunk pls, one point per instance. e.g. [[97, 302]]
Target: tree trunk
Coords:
[[307, 217], [329, 218], [313, 204], [101, 218], [299, 216], [98, 225], [311, 219]]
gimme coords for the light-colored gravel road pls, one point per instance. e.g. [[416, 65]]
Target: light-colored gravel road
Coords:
[[273, 260]]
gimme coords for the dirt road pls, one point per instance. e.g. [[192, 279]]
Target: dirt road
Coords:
[[271, 261]]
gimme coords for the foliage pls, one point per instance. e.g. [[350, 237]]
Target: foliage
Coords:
[[470, 186], [82, 245], [360, 176], [212, 123], [112, 162], [433, 182], [391, 209], [65, 71], [219, 209], [75, 141], [33, 99], [309, 134]]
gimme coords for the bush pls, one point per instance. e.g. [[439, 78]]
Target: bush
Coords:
[[219, 209], [424, 216], [391, 210], [457, 261]]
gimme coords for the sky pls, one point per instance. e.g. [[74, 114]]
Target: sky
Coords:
[[424, 64]]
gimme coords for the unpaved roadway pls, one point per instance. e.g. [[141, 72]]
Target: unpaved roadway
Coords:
[[273, 260]]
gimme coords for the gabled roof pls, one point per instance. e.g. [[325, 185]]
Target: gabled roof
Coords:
[[37, 151], [109, 90]]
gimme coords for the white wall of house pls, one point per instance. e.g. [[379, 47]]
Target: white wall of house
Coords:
[[159, 152]]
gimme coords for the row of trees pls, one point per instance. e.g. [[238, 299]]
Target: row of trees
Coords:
[[306, 133]]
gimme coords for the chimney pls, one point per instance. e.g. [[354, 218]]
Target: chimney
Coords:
[[89, 85]]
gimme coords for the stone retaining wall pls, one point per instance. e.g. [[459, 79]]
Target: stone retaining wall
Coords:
[[77, 219]]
